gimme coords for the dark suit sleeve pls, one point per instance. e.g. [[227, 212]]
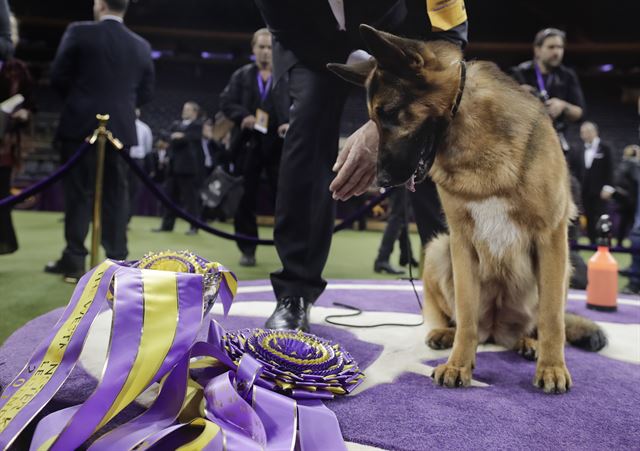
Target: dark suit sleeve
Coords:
[[147, 83], [64, 66], [607, 178], [231, 99], [282, 100]]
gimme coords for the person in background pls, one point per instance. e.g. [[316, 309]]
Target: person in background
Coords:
[[555, 84], [262, 115], [14, 79], [624, 191], [138, 154], [396, 228], [100, 67], [186, 163], [593, 167], [6, 39]]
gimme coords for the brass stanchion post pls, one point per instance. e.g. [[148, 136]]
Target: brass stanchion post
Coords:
[[101, 135]]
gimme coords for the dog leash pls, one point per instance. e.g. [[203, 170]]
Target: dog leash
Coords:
[[357, 311]]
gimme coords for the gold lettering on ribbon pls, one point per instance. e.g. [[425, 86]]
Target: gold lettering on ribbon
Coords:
[[55, 353]]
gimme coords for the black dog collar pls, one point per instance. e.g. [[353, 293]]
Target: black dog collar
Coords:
[[463, 80]]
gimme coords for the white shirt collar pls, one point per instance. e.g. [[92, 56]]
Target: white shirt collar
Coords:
[[112, 17]]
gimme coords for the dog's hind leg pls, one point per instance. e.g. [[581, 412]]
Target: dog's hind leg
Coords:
[[527, 347], [437, 280], [584, 333]]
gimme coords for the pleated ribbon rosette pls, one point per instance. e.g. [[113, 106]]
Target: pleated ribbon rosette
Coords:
[[244, 390]]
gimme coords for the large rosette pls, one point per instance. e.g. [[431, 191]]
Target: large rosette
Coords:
[[298, 364]]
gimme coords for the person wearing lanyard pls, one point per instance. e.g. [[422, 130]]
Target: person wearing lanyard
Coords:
[[556, 85], [262, 116]]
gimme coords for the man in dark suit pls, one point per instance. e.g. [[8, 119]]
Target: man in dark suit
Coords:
[[593, 167], [100, 67], [186, 166], [307, 36]]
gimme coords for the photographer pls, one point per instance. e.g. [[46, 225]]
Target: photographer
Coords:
[[552, 82]]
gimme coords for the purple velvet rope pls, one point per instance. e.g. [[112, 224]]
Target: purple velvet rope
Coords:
[[168, 203], [42, 184]]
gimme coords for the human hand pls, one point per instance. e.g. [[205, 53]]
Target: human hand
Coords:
[[248, 122], [282, 130], [21, 115], [555, 107], [356, 163], [177, 135]]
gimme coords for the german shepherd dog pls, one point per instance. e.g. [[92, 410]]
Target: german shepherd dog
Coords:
[[501, 274]]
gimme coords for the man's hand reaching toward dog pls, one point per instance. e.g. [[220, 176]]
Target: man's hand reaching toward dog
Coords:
[[356, 163]]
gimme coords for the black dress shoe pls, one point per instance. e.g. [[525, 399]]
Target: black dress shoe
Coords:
[[386, 267], [55, 267], [292, 312], [58, 267], [247, 260]]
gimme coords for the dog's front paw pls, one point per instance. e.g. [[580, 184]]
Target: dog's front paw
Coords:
[[452, 376], [553, 378], [441, 338]]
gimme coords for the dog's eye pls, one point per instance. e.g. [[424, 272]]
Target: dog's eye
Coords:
[[386, 112]]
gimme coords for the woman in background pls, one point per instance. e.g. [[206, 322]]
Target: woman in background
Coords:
[[14, 79]]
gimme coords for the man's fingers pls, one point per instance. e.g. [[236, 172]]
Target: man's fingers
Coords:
[[348, 188], [365, 186], [342, 156]]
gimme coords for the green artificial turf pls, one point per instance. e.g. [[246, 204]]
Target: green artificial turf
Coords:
[[26, 291]]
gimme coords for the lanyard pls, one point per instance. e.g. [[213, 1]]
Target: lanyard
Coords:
[[263, 87], [541, 85]]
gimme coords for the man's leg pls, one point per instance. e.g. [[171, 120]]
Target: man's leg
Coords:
[[172, 190], [305, 211], [78, 187], [115, 207], [427, 211], [245, 218], [392, 229]]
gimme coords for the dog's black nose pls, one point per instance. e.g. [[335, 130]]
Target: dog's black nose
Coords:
[[383, 179]]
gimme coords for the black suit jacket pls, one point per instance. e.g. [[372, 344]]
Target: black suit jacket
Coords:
[[102, 67], [309, 32], [599, 174], [185, 154]]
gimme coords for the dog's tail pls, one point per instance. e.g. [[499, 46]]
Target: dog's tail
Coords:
[[584, 333]]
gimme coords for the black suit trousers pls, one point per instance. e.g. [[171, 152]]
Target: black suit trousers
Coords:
[[305, 210], [182, 189], [253, 163], [78, 187]]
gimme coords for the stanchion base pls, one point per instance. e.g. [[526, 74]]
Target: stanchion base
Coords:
[[602, 308]]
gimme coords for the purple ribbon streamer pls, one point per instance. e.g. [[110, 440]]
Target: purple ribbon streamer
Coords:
[[126, 333], [319, 428], [162, 413], [71, 355]]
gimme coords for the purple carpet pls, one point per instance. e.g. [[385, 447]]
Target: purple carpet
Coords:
[[600, 412]]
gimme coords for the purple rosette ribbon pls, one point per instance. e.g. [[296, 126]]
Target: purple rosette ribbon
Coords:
[[243, 390]]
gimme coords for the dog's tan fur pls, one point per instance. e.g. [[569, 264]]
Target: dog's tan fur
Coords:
[[502, 272]]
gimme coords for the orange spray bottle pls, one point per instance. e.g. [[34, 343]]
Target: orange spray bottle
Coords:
[[602, 272]]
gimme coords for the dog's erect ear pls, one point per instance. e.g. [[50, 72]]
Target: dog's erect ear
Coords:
[[394, 52], [354, 73]]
